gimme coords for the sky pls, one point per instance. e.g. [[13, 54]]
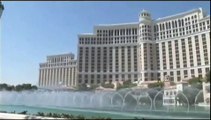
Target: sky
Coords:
[[32, 30]]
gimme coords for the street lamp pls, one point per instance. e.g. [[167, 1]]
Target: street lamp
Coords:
[[1, 9]]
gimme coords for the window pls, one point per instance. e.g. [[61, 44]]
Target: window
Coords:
[[206, 70], [185, 72], [178, 79], [192, 71], [199, 70], [178, 72]]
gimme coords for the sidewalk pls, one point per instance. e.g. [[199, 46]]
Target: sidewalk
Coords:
[[19, 116]]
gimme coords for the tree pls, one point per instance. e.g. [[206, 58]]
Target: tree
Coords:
[[191, 94], [10, 88], [17, 87], [3, 86], [155, 85], [24, 112], [49, 114], [26, 86], [196, 82], [108, 85], [82, 87], [34, 87], [126, 84], [93, 87]]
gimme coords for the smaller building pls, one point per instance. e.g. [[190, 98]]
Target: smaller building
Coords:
[[169, 95], [58, 72], [171, 91]]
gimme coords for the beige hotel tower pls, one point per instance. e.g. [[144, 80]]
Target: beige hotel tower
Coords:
[[176, 46]]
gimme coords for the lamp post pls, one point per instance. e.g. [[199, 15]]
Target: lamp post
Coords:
[[1, 9]]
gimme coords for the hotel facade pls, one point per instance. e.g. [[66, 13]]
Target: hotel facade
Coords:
[[58, 71], [176, 46]]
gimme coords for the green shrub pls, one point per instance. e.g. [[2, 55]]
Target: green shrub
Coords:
[[40, 114], [126, 84], [208, 77], [17, 87], [24, 112], [109, 85], [155, 85]]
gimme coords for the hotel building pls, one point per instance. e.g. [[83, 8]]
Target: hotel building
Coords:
[[176, 46], [58, 71]]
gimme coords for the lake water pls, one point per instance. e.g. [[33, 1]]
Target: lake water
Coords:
[[96, 112]]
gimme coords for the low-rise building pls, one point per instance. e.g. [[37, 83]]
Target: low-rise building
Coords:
[[171, 91], [58, 72]]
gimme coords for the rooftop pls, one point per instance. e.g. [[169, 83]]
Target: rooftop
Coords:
[[170, 87], [178, 15], [119, 24], [58, 55], [86, 34]]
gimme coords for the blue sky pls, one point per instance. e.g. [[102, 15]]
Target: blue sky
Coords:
[[32, 30]]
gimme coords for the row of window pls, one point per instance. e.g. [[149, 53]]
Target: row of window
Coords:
[[57, 64], [157, 76], [104, 61], [91, 78], [167, 93], [184, 30], [169, 101], [148, 47], [109, 41], [54, 76], [117, 32], [147, 76], [59, 59], [166, 30], [184, 53]]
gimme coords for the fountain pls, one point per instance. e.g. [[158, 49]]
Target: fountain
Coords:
[[136, 102]]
